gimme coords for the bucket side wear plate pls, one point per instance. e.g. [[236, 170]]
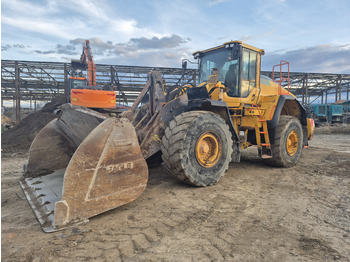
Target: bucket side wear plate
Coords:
[[106, 171], [55, 144], [51, 150]]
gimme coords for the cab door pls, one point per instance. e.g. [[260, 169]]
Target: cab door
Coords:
[[248, 84]]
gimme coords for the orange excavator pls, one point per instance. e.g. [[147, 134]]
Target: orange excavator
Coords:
[[83, 90]]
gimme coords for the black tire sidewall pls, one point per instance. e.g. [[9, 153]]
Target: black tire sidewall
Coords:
[[201, 125]]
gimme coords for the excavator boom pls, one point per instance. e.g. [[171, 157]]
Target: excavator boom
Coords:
[[87, 59]]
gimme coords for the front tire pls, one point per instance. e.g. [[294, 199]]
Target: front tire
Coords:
[[197, 148], [288, 143]]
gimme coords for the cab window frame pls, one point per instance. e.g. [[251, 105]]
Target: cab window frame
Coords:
[[248, 71]]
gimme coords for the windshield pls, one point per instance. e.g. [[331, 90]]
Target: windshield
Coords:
[[227, 65]]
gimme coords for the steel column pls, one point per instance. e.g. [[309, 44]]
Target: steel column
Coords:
[[17, 93], [66, 91], [112, 76], [303, 92], [339, 86]]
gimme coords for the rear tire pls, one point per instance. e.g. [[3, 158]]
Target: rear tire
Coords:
[[288, 143], [197, 148]]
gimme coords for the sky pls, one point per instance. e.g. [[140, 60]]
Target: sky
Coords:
[[313, 35]]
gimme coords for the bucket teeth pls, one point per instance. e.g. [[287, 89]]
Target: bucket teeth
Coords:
[[42, 193]]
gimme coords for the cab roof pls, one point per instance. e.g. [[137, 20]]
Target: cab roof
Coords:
[[231, 42]]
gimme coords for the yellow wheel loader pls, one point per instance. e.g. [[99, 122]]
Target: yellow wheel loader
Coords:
[[84, 163]]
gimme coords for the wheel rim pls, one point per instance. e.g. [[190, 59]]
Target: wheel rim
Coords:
[[292, 143], [208, 149]]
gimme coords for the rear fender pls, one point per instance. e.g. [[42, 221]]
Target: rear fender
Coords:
[[288, 105]]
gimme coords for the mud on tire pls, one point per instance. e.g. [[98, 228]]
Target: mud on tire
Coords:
[[180, 147], [288, 130]]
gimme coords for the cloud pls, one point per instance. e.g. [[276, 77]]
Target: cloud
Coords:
[[215, 2], [96, 10], [317, 59], [19, 46], [51, 19], [99, 47], [7, 47], [160, 51], [153, 58], [158, 43], [248, 38], [44, 52], [66, 49], [30, 8], [61, 50], [53, 27], [133, 47], [154, 51]]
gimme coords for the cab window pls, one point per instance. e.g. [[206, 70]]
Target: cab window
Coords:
[[221, 59], [248, 72], [231, 81]]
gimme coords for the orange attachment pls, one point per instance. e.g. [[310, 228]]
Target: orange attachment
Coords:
[[93, 98]]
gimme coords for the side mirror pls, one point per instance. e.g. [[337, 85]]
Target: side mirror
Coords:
[[184, 65]]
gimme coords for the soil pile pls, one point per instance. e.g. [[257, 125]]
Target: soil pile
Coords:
[[20, 137]]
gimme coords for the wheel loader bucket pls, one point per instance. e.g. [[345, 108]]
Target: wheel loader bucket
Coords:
[[107, 170]]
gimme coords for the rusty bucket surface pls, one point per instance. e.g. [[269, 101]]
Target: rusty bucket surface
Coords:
[[107, 170]]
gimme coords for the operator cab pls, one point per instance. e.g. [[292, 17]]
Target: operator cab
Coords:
[[237, 65], [75, 82]]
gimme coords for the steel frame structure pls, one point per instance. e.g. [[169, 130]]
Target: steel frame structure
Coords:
[[309, 87], [45, 80], [42, 81]]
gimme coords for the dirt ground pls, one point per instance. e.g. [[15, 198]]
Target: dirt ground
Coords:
[[255, 213]]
